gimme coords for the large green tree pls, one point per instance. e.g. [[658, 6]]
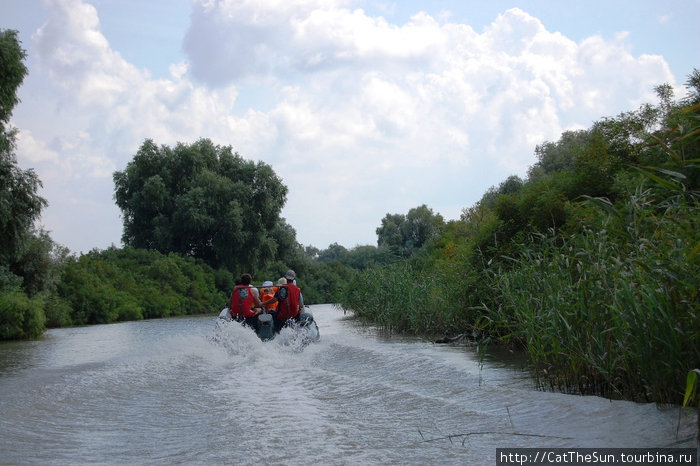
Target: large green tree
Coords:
[[20, 205], [24, 256], [201, 200]]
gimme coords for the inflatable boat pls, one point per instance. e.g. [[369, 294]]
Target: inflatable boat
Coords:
[[264, 326]]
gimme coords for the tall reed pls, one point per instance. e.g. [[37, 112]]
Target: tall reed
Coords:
[[614, 310], [408, 297]]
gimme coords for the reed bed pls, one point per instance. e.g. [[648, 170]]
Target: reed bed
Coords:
[[614, 310], [410, 298]]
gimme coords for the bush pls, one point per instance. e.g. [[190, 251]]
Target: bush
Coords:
[[131, 284], [20, 316], [58, 312]]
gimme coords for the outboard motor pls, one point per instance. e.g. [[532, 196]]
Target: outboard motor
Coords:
[[306, 321], [225, 314], [266, 328]]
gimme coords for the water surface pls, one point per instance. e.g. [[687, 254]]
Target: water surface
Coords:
[[179, 391]]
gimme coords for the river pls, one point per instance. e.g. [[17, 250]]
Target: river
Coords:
[[177, 390]]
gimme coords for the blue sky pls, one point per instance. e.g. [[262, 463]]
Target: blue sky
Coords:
[[362, 107]]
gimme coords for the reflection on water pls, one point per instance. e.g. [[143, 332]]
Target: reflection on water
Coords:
[[180, 391]]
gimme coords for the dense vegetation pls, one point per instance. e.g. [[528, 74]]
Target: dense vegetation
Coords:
[[133, 284], [591, 264]]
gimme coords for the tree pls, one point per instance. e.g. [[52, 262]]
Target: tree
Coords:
[[389, 233], [421, 225], [511, 185], [560, 155], [39, 262], [12, 73], [20, 205], [693, 86], [334, 252], [25, 265], [364, 257], [201, 200], [311, 252], [405, 234]]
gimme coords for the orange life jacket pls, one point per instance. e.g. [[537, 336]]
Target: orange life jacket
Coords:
[[269, 293]]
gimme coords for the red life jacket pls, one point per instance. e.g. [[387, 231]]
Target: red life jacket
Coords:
[[288, 307], [241, 302]]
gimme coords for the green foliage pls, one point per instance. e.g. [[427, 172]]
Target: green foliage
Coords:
[[39, 262], [12, 73], [393, 297], [607, 310], [364, 257], [325, 274], [334, 252], [20, 316], [410, 296], [203, 201], [58, 312], [132, 284], [323, 283], [693, 85], [20, 205], [405, 234], [691, 387]]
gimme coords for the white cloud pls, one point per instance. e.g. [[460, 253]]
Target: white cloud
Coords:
[[359, 116]]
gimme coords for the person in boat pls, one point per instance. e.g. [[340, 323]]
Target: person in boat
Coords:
[[289, 301], [245, 304], [267, 291]]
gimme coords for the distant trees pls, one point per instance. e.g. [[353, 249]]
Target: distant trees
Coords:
[[202, 200], [405, 234]]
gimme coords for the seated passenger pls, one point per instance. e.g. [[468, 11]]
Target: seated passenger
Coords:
[[245, 302], [267, 291], [288, 299]]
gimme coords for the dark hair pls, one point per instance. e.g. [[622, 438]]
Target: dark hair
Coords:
[[246, 279], [237, 281]]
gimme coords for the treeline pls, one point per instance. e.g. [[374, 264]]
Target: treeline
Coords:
[[591, 263]]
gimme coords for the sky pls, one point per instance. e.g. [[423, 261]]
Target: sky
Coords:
[[363, 108]]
